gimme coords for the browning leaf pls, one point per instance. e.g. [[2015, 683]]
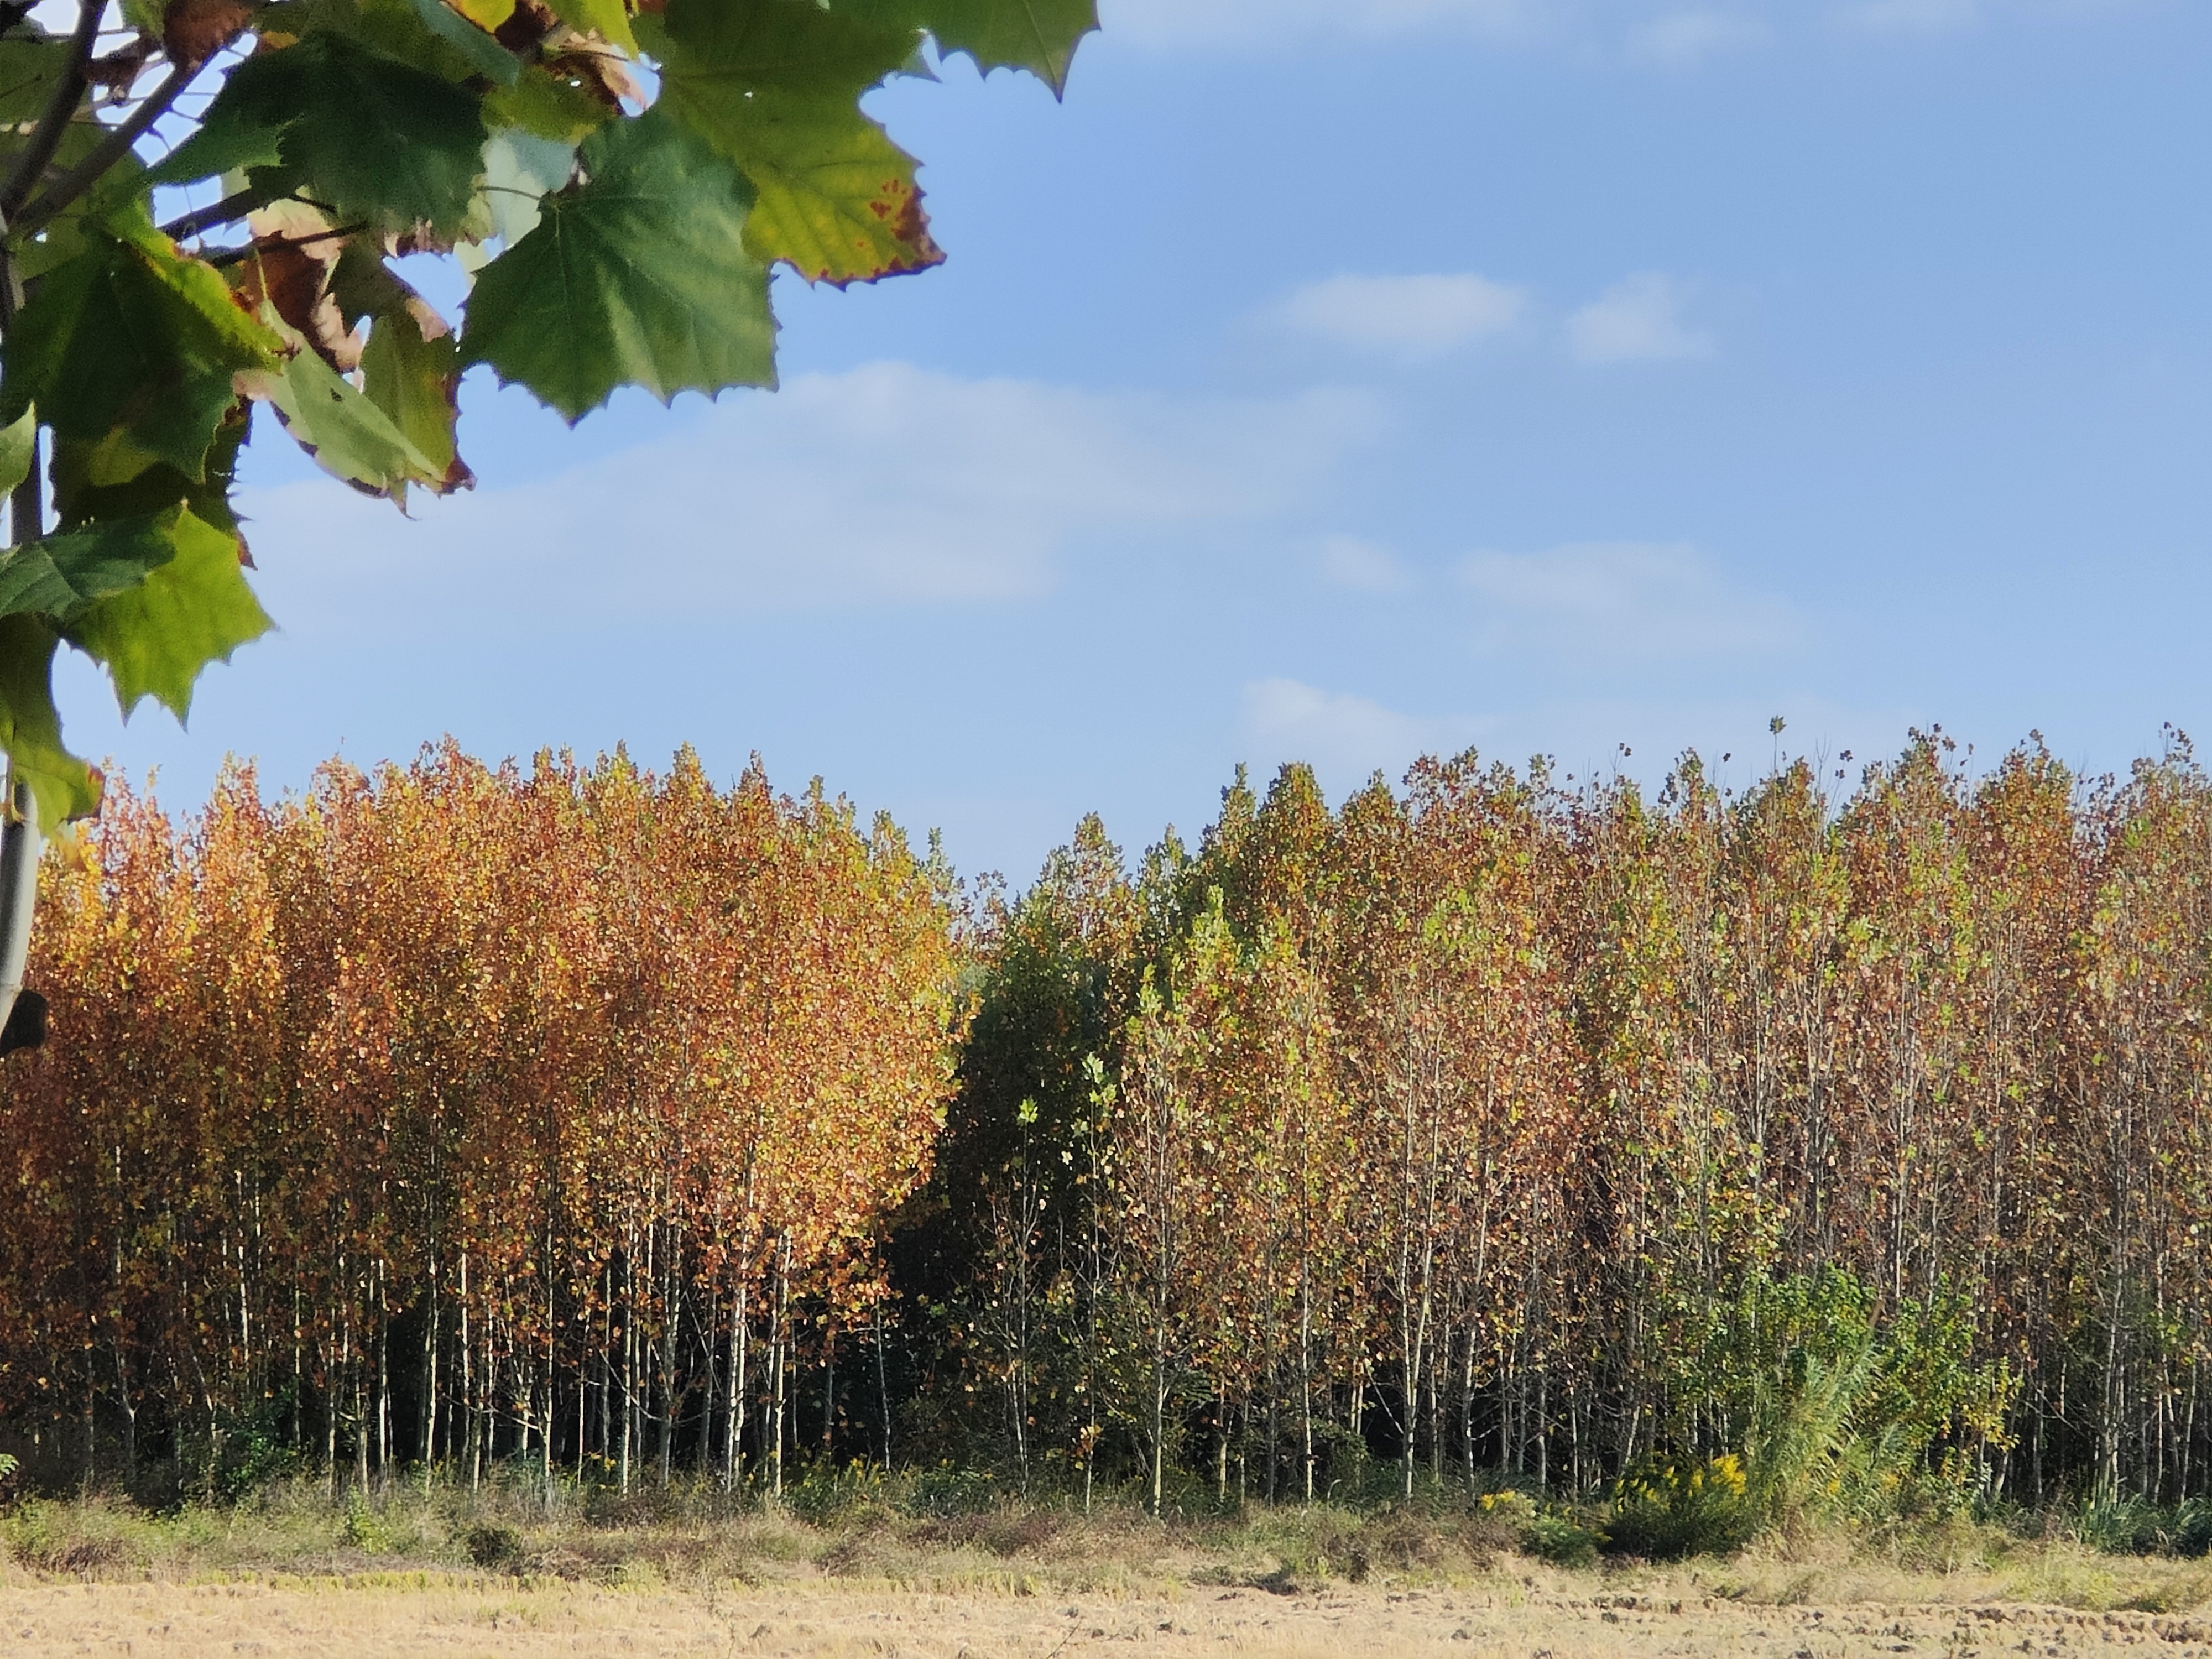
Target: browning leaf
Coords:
[[412, 367], [193, 31], [522, 28], [294, 253]]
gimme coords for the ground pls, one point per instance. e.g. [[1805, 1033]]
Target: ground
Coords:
[[461, 1616], [426, 1571]]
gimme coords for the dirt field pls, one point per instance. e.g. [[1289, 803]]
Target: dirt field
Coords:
[[423, 1614], [430, 1570]]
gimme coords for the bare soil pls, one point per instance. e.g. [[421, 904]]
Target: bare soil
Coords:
[[373, 1616]]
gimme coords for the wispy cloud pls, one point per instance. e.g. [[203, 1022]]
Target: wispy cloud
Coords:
[[1342, 736], [1637, 320], [1683, 39], [1363, 566], [885, 485], [1619, 600], [1406, 316]]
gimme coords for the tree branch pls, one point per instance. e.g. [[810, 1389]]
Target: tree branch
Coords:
[[237, 206], [231, 256], [69, 92], [86, 173]]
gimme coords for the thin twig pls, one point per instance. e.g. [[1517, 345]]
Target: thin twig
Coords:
[[231, 256], [87, 173], [235, 206], [46, 136]]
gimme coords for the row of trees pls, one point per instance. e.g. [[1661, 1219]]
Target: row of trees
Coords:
[[463, 1114], [1495, 1124]]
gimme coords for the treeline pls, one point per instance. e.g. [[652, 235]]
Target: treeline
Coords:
[[464, 1114], [1496, 1127], [1506, 1126]]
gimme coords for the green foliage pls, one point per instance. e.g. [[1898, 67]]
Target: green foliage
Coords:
[[614, 243], [834, 198], [638, 275], [152, 598], [1544, 1530], [255, 1451], [338, 122], [1667, 1509], [489, 1545], [1838, 1410], [192, 609], [31, 726], [949, 1489], [2131, 1525], [133, 349]]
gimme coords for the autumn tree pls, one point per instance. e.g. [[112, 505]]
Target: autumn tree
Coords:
[[201, 204]]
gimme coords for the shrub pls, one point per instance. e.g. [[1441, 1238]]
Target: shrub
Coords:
[[2129, 1526], [949, 1490], [1666, 1511], [492, 1546]]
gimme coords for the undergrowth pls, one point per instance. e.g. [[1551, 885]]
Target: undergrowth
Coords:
[[934, 1530]]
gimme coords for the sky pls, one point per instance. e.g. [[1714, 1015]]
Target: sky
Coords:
[[1338, 380]]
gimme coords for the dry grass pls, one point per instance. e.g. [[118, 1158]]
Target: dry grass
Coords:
[[437, 1572]]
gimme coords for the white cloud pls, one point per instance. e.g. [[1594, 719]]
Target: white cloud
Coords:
[[1344, 737], [885, 484], [1617, 599], [1413, 316], [1683, 39], [1638, 319], [1364, 567], [1264, 24]]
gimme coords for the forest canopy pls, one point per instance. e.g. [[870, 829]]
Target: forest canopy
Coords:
[[1492, 1130]]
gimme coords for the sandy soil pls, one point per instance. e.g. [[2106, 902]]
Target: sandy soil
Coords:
[[428, 1615]]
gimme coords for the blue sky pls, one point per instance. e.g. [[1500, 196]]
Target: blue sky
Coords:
[[1336, 380]]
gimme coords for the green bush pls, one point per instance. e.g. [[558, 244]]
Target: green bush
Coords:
[[1844, 1411], [1666, 1510], [492, 1546], [2129, 1526], [949, 1490]]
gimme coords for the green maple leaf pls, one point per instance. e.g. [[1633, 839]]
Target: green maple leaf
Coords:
[[30, 70], [787, 46], [608, 19], [545, 107], [155, 598], [410, 368], [834, 198], [480, 50], [133, 347], [340, 424], [31, 726], [375, 137], [59, 577], [775, 88], [639, 275], [1038, 35], [19, 450], [78, 501], [191, 609]]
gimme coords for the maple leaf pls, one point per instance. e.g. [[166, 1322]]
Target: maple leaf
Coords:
[[637, 276], [371, 137]]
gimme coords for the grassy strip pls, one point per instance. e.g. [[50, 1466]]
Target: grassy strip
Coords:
[[870, 1533]]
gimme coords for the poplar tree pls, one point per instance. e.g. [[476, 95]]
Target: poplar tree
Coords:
[[619, 177]]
